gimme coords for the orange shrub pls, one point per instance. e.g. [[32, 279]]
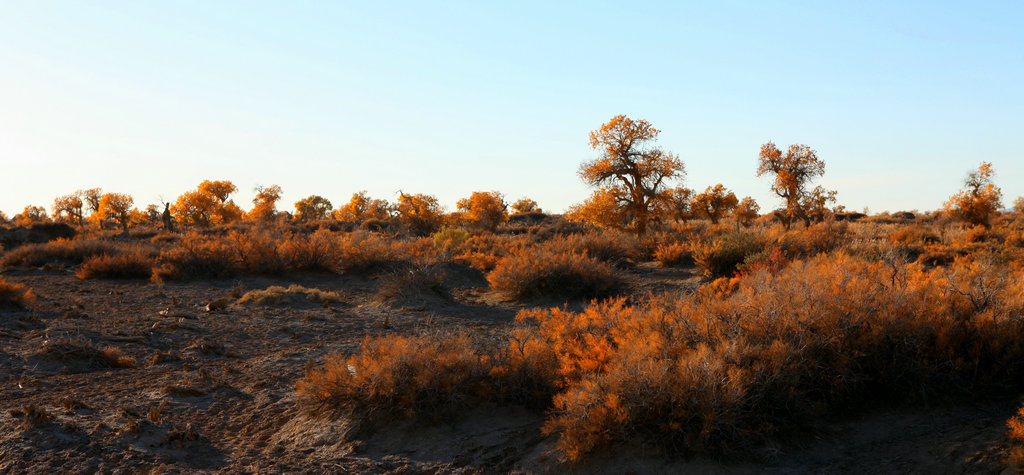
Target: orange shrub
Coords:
[[1016, 425], [15, 295], [63, 251], [673, 254], [542, 272], [717, 371], [427, 376], [722, 256], [196, 257], [609, 246], [133, 265], [318, 251], [363, 252]]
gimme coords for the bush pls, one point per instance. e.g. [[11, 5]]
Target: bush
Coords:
[[673, 254], [541, 272], [449, 238], [15, 295], [124, 266], [292, 295], [714, 373], [362, 252], [319, 251], [64, 251], [722, 256], [428, 376], [196, 257], [413, 286], [812, 240], [613, 247], [80, 354]]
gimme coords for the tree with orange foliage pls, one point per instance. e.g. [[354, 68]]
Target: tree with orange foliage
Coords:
[[980, 200], [631, 170], [116, 207], [484, 210], [601, 209], [68, 208], [91, 198], [747, 211], [793, 171], [1018, 205], [678, 207], [264, 209], [714, 202], [816, 203], [194, 208], [218, 189], [31, 215], [419, 213], [361, 208], [312, 208], [526, 205]]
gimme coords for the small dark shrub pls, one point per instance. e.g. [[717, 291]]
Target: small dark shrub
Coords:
[[722, 256]]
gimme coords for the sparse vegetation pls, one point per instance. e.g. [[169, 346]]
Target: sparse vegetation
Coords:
[[291, 295], [14, 295]]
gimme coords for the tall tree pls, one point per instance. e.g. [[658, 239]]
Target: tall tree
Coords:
[[632, 169], [979, 200], [793, 172], [312, 208], [715, 202]]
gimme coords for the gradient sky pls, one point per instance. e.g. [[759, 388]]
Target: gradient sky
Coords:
[[900, 99]]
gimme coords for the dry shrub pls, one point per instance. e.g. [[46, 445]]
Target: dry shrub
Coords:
[[907, 236], [716, 372], [484, 251], [81, 353], [35, 417], [613, 247], [1016, 434], [1016, 426], [64, 251], [292, 295], [673, 254], [813, 240], [430, 376], [414, 286], [258, 252], [133, 265], [196, 257], [449, 238], [363, 252], [318, 251], [15, 295], [722, 256], [542, 272]]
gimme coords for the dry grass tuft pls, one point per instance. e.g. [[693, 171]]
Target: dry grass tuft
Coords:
[[15, 295], [34, 417], [289, 296], [82, 352]]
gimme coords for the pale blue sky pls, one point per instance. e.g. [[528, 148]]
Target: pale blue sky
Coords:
[[447, 98]]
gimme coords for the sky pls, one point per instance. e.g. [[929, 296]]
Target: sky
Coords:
[[150, 98]]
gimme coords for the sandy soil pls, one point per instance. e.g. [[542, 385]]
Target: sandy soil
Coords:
[[211, 390]]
